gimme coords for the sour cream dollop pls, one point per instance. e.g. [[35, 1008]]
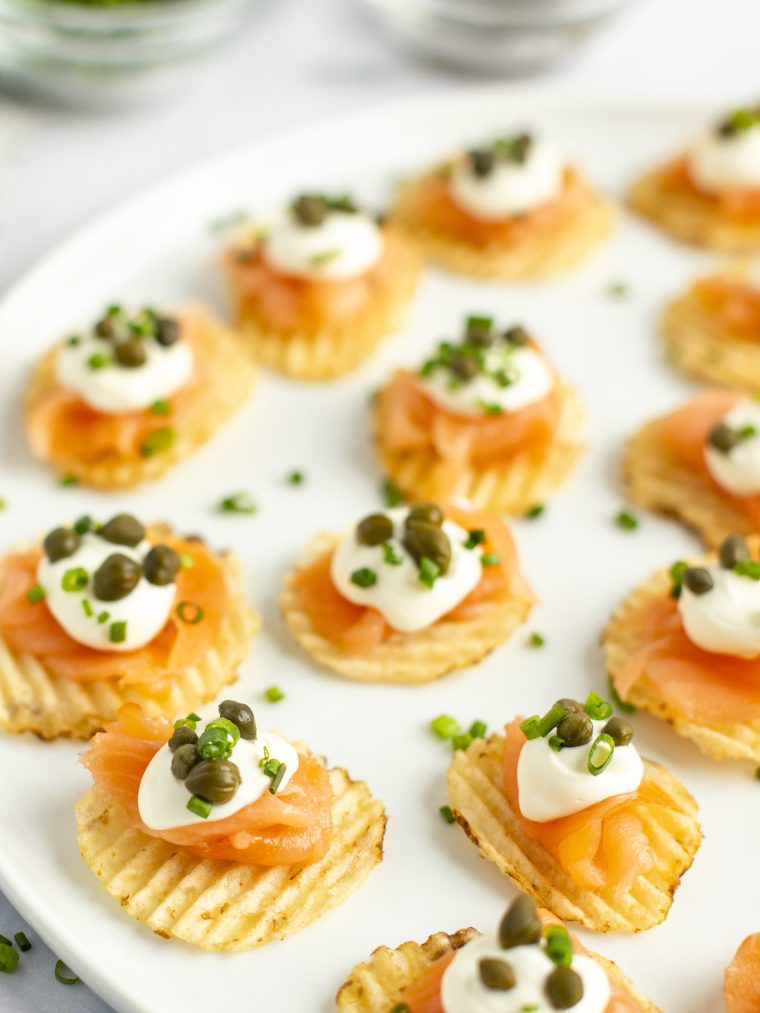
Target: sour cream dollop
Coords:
[[726, 161], [530, 380], [725, 619], [404, 601], [162, 798], [462, 990], [144, 610], [738, 469], [112, 388], [553, 784], [510, 188], [344, 245]]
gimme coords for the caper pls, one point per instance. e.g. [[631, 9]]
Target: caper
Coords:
[[374, 530], [482, 162], [496, 974], [723, 438], [183, 736], [123, 529], [310, 210], [115, 577], [464, 367], [185, 758], [60, 543], [698, 579], [521, 924], [130, 353], [425, 512], [575, 729], [479, 332], [571, 706], [214, 780], [732, 551], [620, 730], [425, 540], [105, 327], [239, 714], [517, 335], [167, 331], [564, 988], [161, 565]]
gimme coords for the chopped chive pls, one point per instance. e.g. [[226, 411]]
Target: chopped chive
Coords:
[[445, 726], [64, 974], [75, 579], [535, 511], [596, 708], [186, 560], [158, 441], [117, 632], [391, 493], [677, 571], [529, 727], [35, 593], [626, 521], [747, 568], [98, 360], [490, 559], [74, 341], [3, 505], [103, 617], [475, 537], [277, 779], [87, 608], [22, 942], [600, 754], [622, 705], [461, 741], [746, 432], [476, 323], [238, 503], [401, 1007], [446, 814], [556, 743], [192, 716], [324, 257], [296, 478], [617, 289], [68, 480], [478, 729], [490, 408], [558, 949], [537, 640], [428, 572], [364, 577], [4, 940], [190, 612], [161, 407], [83, 524], [536, 727], [390, 556], [199, 806], [9, 957], [274, 694]]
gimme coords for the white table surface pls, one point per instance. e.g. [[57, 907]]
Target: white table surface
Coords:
[[303, 60]]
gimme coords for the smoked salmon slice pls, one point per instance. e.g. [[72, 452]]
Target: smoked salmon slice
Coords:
[[734, 302], [30, 628], [741, 979], [293, 827], [602, 847], [740, 205]]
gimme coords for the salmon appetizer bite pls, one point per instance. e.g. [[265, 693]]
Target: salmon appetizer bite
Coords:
[[709, 195], [101, 614], [701, 464], [486, 419], [318, 288], [136, 393], [741, 979], [219, 834], [531, 962], [564, 805], [511, 208], [407, 595], [712, 331], [686, 646]]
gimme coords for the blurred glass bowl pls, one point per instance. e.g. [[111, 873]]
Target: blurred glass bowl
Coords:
[[96, 52], [494, 36]]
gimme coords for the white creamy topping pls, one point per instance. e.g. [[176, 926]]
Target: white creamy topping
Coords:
[[530, 381], [399, 595], [344, 245], [145, 609], [718, 162], [162, 798], [511, 188], [738, 470], [462, 990], [552, 784], [725, 619], [114, 388]]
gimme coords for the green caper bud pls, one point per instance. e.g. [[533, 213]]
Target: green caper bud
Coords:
[[167, 331], [374, 530], [481, 162], [496, 974], [123, 529], [429, 512], [425, 540], [115, 577], [60, 543], [105, 327], [723, 438], [185, 758], [571, 706], [732, 551], [464, 367], [564, 988], [517, 336], [521, 924], [161, 565], [620, 730], [309, 209], [239, 714], [698, 580], [216, 781], [183, 736], [130, 353], [575, 729]]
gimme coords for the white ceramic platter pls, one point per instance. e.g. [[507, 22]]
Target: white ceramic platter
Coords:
[[158, 248]]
